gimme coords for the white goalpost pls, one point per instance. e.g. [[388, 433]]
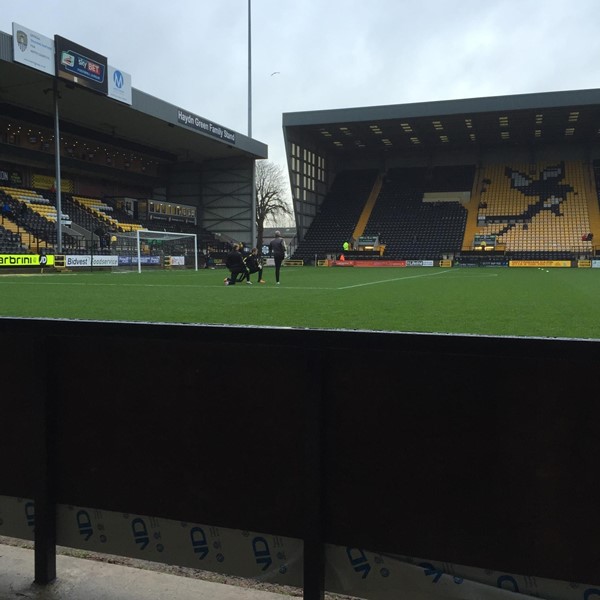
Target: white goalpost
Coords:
[[146, 249]]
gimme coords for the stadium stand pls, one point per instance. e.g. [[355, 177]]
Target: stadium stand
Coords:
[[410, 226], [536, 211], [339, 215], [546, 210], [594, 199], [31, 226], [104, 213], [32, 219], [413, 228], [9, 242]]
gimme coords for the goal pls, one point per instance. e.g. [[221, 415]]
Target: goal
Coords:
[[144, 249]]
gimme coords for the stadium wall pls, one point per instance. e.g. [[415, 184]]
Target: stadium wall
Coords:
[[469, 450], [517, 154], [185, 184], [5, 46], [226, 197], [487, 155]]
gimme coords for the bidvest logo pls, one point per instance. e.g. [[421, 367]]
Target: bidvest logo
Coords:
[[508, 582], [430, 571], [199, 542], [84, 524], [30, 513], [262, 553], [359, 561], [140, 533]]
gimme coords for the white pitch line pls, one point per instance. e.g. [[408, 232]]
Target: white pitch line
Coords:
[[476, 276], [347, 287], [96, 284], [154, 285]]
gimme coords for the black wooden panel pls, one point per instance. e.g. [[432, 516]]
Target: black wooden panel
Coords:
[[485, 460], [22, 388], [199, 432], [479, 451]]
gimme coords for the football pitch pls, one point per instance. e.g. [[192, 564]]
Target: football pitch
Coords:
[[490, 301]]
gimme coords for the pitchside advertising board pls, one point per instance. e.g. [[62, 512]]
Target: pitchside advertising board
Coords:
[[26, 260], [86, 260], [540, 263], [75, 261]]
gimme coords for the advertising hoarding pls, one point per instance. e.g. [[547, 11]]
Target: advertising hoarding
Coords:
[[87, 260], [26, 260], [540, 263], [33, 49], [81, 65], [119, 85]]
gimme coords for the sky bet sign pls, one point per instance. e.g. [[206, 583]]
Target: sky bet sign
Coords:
[[81, 65]]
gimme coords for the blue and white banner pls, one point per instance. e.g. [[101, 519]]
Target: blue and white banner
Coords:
[[419, 263], [119, 85], [133, 260], [87, 260], [277, 559]]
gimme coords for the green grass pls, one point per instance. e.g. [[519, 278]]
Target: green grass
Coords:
[[493, 301]]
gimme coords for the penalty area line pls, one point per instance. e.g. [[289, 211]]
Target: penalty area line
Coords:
[[348, 287]]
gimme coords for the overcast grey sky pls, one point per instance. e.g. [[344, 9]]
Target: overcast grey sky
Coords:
[[327, 53]]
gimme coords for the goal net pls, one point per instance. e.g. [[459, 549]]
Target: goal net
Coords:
[[144, 249]]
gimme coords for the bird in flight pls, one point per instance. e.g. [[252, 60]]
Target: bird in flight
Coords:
[[274, 73]]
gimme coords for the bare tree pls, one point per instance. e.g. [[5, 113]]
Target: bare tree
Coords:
[[270, 196]]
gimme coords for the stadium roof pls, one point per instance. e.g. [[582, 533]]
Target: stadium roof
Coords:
[[526, 119], [26, 93]]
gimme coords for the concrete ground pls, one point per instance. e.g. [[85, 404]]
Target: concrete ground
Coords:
[[82, 579]]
